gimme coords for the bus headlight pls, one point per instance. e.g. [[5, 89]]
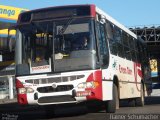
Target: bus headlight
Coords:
[[25, 90], [81, 85], [21, 90], [30, 90], [92, 84]]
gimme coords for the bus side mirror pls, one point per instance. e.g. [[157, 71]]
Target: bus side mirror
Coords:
[[102, 19]]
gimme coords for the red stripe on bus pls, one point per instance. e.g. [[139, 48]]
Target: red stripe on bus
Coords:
[[137, 71], [22, 99], [96, 92]]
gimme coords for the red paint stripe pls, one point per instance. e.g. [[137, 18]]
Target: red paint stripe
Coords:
[[97, 92], [22, 99], [19, 84], [135, 74]]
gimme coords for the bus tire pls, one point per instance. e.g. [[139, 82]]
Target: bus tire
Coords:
[[140, 100], [111, 105]]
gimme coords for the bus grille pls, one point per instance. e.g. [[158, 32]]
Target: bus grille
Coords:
[[51, 99], [60, 88]]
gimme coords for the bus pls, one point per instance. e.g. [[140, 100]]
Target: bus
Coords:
[[78, 53]]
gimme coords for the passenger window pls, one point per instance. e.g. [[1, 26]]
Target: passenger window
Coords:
[[109, 29], [103, 44], [117, 34], [131, 43], [110, 36], [120, 50], [127, 53], [125, 38]]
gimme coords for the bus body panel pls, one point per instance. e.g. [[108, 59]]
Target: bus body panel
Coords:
[[30, 96], [128, 77]]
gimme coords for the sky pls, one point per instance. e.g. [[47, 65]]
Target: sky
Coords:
[[128, 12]]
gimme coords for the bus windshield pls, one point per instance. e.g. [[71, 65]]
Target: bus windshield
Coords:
[[65, 45]]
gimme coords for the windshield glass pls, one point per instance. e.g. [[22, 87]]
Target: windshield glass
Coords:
[[65, 45]]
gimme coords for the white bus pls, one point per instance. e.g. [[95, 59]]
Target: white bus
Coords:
[[78, 53]]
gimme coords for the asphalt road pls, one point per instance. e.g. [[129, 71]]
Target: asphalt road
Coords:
[[13, 111]]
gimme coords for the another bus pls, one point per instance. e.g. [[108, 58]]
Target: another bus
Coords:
[[54, 67]]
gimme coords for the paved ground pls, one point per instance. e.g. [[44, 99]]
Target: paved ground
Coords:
[[13, 111]]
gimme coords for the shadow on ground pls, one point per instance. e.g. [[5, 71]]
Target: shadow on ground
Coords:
[[152, 100]]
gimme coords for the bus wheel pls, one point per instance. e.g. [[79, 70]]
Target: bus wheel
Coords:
[[140, 100], [112, 105]]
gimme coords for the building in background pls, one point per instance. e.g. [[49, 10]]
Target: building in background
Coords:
[[8, 17]]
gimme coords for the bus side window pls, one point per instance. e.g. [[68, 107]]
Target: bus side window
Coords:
[[127, 49], [125, 39], [109, 29], [140, 54], [118, 39], [103, 44], [110, 36]]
